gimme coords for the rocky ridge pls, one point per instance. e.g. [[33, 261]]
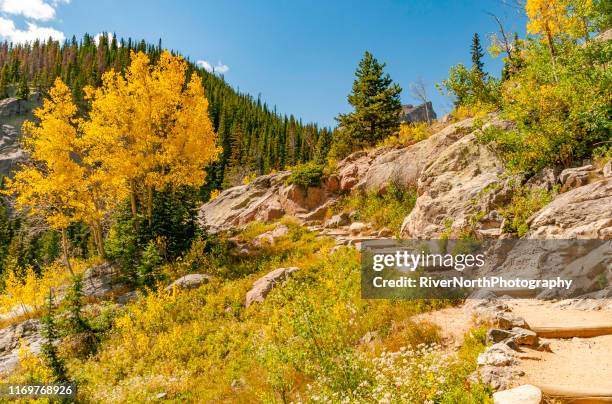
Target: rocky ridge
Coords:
[[13, 112]]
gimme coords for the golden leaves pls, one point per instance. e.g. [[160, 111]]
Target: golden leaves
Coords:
[[146, 131]]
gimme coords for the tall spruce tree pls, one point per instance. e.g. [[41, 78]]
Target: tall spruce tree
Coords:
[[377, 104], [23, 90], [477, 55]]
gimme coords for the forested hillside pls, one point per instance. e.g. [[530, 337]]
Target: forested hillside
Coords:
[[255, 138], [123, 273]]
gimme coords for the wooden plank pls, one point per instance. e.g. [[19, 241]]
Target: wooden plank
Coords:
[[571, 331], [576, 395]]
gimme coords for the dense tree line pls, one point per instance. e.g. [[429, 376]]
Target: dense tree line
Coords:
[[255, 138]]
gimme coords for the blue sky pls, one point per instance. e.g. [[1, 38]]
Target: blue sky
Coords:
[[299, 55]]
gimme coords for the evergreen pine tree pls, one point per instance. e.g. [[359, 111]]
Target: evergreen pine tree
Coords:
[[376, 100], [23, 90], [48, 348], [4, 81], [477, 55]]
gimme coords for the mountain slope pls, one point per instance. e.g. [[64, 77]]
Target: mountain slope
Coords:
[[255, 138]]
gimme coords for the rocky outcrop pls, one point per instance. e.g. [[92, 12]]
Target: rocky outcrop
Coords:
[[190, 281], [269, 197], [13, 112], [452, 189], [270, 237], [582, 212], [11, 338], [266, 198], [577, 177], [376, 169], [100, 281], [262, 287], [420, 113]]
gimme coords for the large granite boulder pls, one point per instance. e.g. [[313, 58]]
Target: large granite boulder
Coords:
[[582, 212], [464, 180], [376, 169], [525, 394], [263, 286]]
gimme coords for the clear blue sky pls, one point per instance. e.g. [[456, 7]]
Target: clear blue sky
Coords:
[[299, 55]]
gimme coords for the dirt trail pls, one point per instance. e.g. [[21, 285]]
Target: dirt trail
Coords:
[[573, 362], [584, 363]]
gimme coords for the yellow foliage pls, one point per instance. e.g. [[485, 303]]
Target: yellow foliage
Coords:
[[214, 194], [553, 17], [409, 133], [59, 184], [149, 128], [33, 366], [478, 111], [28, 291], [248, 179]]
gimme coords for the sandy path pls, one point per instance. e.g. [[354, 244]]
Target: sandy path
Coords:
[[574, 362]]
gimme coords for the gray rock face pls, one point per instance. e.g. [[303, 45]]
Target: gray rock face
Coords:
[[11, 337], [190, 281], [12, 114], [451, 189], [545, 179], [12, 107], [508, 321], [420, 113], [524, 336], [262, 287], [498, 354], [576, 177], [582, 212], [100, 280], [377, 169], [496, 335]]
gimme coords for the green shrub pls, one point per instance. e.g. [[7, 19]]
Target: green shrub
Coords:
[[561, 115], [471, 88], [524, 203], [307, 175], [382, 209]]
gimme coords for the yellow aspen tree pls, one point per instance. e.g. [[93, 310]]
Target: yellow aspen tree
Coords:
[[58, 184], [553, 17], [151, 128]]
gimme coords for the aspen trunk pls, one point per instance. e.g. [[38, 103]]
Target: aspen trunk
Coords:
[[133, 198], [149, 204], [98, 238], [553, 53], [65, 251]]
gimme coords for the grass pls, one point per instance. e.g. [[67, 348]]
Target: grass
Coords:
[[304, 341], [386, 209]]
